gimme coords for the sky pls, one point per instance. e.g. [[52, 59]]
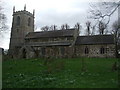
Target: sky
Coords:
[[47, 12]]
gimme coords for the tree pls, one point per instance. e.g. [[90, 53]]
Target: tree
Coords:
[[102, 11], [3, 20], [65, 27], [88, 24], [102, 27], [53, 27], [77, 26], [115, 26], [45, 28], [116, 32], [93, 30]]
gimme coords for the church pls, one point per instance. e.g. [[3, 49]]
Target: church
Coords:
[[25, 43]]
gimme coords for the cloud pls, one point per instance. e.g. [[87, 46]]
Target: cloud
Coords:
[[49, 12], [58, 16]]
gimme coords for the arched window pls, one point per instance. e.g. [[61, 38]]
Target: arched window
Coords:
[[86, 50], [102, 50], [18, 20], [29, 21]]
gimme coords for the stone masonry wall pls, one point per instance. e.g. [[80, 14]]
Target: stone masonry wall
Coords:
[[70, 52], [94, 50], [55, 51]]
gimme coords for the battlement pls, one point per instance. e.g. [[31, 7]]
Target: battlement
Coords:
[[23, 11]]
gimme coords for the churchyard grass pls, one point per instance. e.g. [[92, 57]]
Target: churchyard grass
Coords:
[[59, 73]]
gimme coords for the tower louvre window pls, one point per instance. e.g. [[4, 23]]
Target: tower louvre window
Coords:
[[18, 20], [29, 21]]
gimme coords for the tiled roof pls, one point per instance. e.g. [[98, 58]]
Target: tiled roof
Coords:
[[48, 34], [96, 39]]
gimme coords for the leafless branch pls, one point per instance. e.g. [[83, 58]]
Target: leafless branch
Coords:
[[97, 13]]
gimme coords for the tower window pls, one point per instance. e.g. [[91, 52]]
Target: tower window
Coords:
[[18, 20], [29, 21], [86, 50]]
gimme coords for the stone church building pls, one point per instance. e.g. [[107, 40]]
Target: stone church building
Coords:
[[25, 43]]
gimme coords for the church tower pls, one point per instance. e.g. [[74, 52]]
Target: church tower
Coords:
[[22, 24]]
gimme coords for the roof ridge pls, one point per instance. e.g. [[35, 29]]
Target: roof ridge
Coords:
[[97, 35]]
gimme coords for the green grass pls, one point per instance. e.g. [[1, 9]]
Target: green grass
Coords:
[[59, 73]]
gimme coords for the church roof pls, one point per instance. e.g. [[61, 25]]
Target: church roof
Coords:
[[49, 34], [96, 39]]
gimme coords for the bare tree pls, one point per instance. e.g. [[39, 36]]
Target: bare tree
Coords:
[[51, 28], [45, 28], [116, 32], [116, 26], [54, 27], [77, 26], [63, 27], [88, 24], [67, 26], [93, 30], [102, 28], [103, 11], [3, 20]]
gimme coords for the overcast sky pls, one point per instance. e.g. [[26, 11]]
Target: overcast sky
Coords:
[[48, 12]]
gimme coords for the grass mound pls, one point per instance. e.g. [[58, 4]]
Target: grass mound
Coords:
[[60, 73]]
